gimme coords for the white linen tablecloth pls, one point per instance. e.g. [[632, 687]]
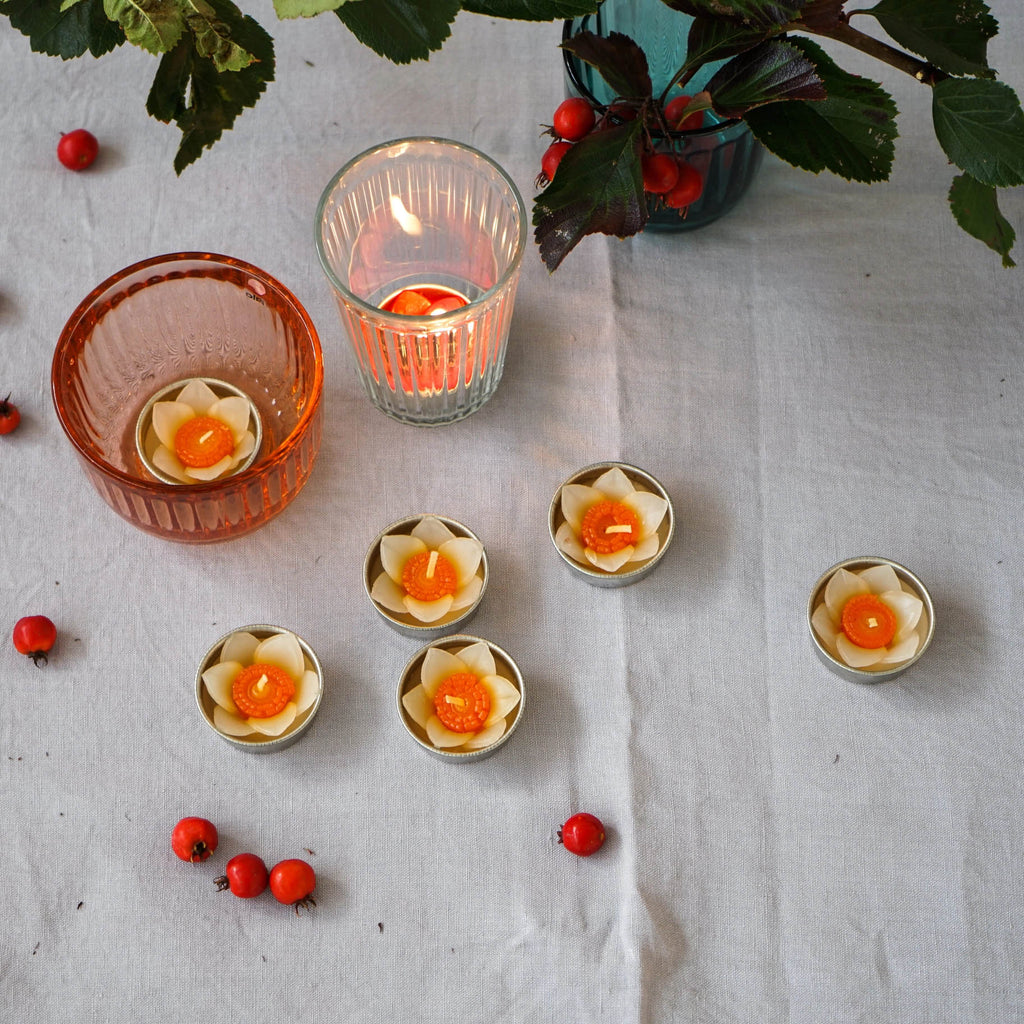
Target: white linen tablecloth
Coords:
[[830, 370]]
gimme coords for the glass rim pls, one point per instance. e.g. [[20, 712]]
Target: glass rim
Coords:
[[419, 323], [570, 62], [211, 487]]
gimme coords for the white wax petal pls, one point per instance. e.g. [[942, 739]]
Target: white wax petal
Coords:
[[614, 484], [650, 509], [478, 659], [858, 657], [284, 651], [612, 561], [432, 532], [428, 611], [466, 595], [437, 666], [566, 540], [396, 549], [418, 706], [275, 724], [218, 680], [504, 697], [229, 724], [576, 499], [880, 578], [197, 394], [841, 586], [464, 553], [387, 592], [240, 647], [306, 691]]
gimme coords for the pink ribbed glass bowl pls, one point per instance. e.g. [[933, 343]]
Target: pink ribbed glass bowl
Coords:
[[174, 317]]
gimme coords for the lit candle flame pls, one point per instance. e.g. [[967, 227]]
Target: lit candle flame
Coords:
[[408, 222]]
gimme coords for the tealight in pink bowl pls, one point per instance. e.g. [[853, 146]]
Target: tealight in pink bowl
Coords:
[[184, 315]]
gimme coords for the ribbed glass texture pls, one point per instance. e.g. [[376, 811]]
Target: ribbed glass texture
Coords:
[[726, 153], [424, 213], [167, 319]]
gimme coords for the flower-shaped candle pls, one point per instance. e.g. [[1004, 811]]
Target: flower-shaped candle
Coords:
[[262, 683], [615, 520], [465, 702], [421, 573], [870, 616], [196, 434]]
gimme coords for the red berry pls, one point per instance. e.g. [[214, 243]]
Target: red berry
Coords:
[[293, 882], [10, 417], [35, 636], [675, 115], [661, 172], [687, 189], [573, 119], [77, 150], [246, 876], [194, 839], [553, 157], [582, 834]]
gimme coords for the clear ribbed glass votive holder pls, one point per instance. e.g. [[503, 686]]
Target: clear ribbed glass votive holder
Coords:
[[440, 220]]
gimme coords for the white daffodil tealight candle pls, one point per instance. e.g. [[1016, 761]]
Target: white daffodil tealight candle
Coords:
[[870, 618], [198, 430], [611, 523], [425, 575], [259, 687], [461, 698]]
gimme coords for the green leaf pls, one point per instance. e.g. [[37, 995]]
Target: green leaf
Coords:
[[951, 34], [532, 10], [204, 102], [619, 61], [304, 8], [774, 70], [213, 37], [598, 187], [714, 39], [61, 32], [851, 132], [400, 30], [976, 210], [980, 126], [155, 25], [768, 14]]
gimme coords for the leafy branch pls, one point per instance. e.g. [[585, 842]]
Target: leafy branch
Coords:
[[802, 106], [215, 61]]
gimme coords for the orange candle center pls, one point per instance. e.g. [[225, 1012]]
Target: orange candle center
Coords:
[[262, 691], [610, 526], [203, 441], [868, 622], [462, 703]]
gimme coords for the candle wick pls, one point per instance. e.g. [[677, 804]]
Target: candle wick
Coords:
[[619, 528], [262, 684], [432, 565], [206, 437]]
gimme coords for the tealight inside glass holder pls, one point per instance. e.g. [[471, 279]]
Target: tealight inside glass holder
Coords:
[[422, 240], [239, 442]]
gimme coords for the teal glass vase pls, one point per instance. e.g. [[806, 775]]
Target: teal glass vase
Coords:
[[724, 151]]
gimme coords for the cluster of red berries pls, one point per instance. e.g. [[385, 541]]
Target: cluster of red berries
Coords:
[[666, 175], [291, 881]]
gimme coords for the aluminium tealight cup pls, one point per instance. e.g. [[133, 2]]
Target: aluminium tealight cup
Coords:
[[411, 677], [222, 389], [407, 625], [255, 743], [908, 581], [625, 576]]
